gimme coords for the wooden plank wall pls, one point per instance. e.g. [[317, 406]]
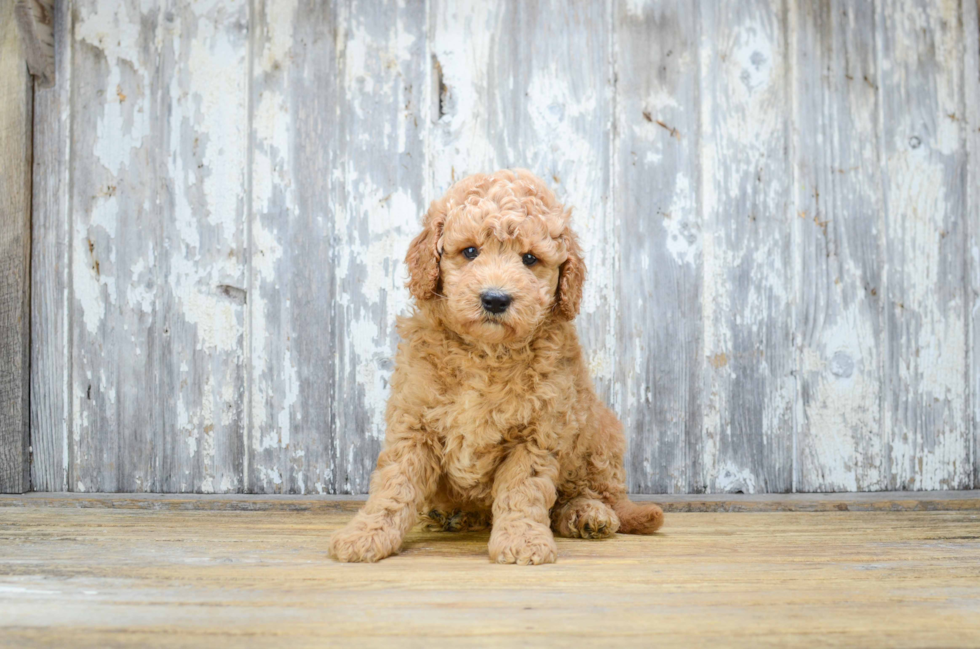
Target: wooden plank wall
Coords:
[[16, 107], [779, 201]]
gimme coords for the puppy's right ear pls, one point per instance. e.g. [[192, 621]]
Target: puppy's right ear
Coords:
[[423, 257]]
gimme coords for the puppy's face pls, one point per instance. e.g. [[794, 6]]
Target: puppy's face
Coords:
[[499, 283], [497, 259]]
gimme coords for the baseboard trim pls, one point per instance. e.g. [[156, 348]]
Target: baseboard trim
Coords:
[[889, 501]]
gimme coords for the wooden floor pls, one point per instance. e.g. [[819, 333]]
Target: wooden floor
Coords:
[[77, 572]]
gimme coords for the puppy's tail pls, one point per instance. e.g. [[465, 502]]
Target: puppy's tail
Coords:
[[637, 518]]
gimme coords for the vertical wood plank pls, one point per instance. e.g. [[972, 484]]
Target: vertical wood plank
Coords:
[[838, 203], [159, 147], [521, 84], [384, 78], [50, 270], [748, 293], [16, 104], [924, 166], [296, 150], [971, 82], [656, 204], [323, 333], [458, 139]]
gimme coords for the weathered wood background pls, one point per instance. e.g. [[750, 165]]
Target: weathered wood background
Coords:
[[15, 248], [779, 201]]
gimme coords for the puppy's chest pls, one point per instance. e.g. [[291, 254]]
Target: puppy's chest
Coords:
[[481, 419], [476, 400]]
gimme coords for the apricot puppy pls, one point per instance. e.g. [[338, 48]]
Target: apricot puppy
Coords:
[[493, 420]]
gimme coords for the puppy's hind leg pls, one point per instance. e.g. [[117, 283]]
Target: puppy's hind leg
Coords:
[[608, 477]]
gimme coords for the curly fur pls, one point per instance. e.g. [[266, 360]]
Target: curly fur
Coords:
[[493, 419]]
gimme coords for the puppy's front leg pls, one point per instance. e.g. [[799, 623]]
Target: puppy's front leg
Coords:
[[406, 475], [523, 494]]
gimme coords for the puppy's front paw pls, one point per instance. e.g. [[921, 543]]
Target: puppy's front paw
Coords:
[[359, 542], [523, 543]]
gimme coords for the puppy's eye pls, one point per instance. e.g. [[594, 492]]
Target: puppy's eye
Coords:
[[471, 252], [529, 259]]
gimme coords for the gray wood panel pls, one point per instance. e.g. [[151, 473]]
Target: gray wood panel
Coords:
[[657, 211], [746, 197], [158, 161], [838, 202], [777, 200], [385, 72], [35, 20], [16, 103], [971, 79], [924, 176], [337, 181], [51, 271], [296, 179]]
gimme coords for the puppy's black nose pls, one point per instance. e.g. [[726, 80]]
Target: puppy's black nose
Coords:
[[495, 301]]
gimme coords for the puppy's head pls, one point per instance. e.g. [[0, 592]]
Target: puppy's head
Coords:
[[496, 258]]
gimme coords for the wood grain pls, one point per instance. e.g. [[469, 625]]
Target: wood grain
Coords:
[[384, 75], [296, 179], [322, 334], [924, 160], [35, 20], [747, 299], [16, 106], [657, 206], [158, 246], [838, 198], [95, 577], [51, 295], [971, 79]]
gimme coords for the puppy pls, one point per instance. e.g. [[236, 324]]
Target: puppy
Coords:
[[493, 420]]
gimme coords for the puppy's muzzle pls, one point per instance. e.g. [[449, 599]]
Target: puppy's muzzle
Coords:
[[495, 301]]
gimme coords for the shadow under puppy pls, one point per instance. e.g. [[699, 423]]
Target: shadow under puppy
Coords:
[[493, 420]]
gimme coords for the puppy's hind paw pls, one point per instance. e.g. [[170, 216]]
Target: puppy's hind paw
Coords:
[[585, 518]]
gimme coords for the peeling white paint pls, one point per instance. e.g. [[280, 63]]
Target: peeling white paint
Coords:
[[460, 143], [843, 441], [279, 40], [562, 130], [268, 251], [681, 224], [731, 478], [117, 35]]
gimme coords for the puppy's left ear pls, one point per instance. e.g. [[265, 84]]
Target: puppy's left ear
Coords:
[[571, 278], [423, 257]]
